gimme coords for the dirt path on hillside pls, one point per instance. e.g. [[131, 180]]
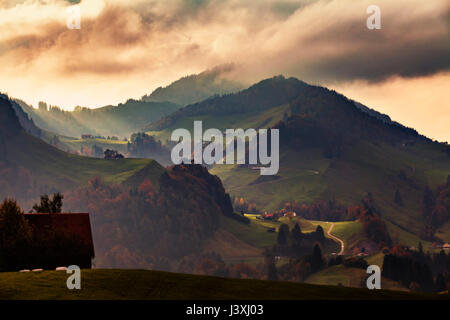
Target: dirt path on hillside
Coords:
[[337, 239]]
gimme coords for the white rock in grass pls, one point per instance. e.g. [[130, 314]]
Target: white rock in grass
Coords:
[[24, 270], [37, 270], [61, 269]]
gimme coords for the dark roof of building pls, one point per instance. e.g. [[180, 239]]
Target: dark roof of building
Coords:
[[74, 225]]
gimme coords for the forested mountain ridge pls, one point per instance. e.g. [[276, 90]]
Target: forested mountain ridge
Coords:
[[121, 120]]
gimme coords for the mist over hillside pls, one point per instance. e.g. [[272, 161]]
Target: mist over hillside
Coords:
[[330, 148], [132, 116], [121, 120], [143, 215], [197, 87]]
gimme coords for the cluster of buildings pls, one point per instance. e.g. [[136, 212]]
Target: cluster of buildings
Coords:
[[438, 245], [276, 215]]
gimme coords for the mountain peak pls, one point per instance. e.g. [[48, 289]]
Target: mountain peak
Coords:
[[196, 87]]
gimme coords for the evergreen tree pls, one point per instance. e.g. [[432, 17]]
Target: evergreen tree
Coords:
[[319, 234], [283, 235], [398, 198], [272, 273], [369, 203], [317, 261], [297, 234], [440, 283], [49, 206], [15, 236]]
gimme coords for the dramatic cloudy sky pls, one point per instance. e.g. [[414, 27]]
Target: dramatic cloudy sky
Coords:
[[125, 49]]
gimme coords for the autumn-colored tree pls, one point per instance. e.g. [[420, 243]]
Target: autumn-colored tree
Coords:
[[376, 230], [147, 188], [168, 222]]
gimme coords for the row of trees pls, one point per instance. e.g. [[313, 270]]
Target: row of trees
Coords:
[[294, 243], [321, 210], [418, 270], [242, 205]]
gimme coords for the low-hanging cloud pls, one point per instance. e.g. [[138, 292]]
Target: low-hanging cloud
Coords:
[[127, 48]]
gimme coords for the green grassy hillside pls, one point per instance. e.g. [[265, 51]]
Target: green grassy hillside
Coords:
[[330, 148], [140, 284], [307, 176], [59, 169], [34, 167]]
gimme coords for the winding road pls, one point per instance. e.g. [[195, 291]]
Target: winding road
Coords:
[[337, 239]]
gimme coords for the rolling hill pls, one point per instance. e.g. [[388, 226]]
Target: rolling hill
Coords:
[[120, 120], [331, 148], [147, 216], [143, 214], [31, 167]]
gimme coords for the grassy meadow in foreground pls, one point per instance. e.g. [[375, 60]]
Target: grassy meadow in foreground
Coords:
[[142, 284]]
